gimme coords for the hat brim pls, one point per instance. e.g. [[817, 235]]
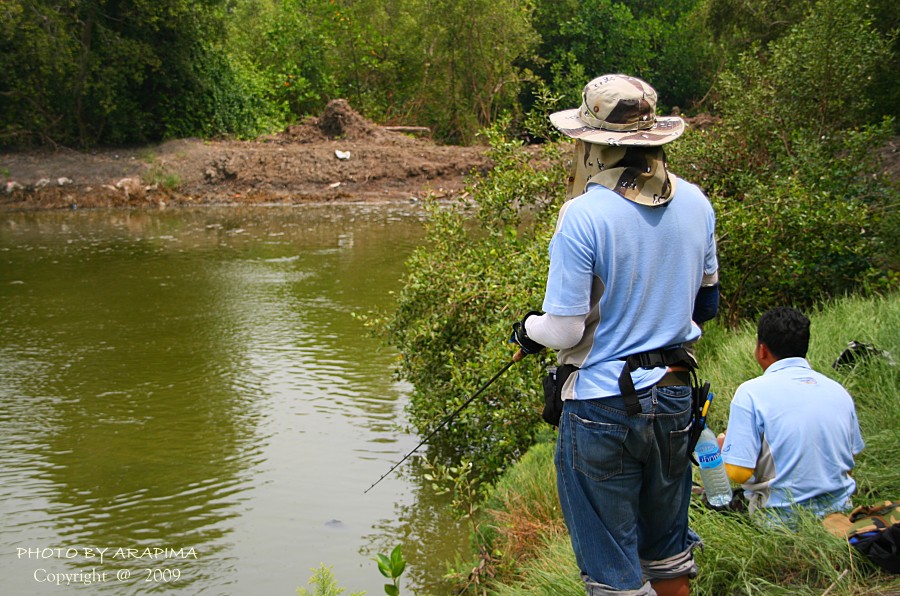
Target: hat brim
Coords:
[[665, 130]]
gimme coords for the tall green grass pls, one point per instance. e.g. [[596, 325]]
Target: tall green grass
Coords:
[[529, 539]]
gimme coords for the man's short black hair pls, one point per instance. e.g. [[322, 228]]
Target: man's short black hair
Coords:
[[785, 331]]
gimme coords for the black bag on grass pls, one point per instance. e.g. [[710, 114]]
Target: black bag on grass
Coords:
[[876, 533]]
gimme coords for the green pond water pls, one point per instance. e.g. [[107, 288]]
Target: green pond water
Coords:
[[190, 391]]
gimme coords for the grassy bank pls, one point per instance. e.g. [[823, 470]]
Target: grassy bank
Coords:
[[526, 533]]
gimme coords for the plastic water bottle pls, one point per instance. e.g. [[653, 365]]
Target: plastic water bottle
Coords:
[[712, 470]]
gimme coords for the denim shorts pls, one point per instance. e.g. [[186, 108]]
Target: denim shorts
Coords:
[[625, 487]]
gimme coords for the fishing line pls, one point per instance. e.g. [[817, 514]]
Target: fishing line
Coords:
[[518, 356]]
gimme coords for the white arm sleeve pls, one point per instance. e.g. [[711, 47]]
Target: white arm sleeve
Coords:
[[554, 331]]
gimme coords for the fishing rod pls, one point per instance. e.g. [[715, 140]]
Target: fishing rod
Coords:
[[518, 356]]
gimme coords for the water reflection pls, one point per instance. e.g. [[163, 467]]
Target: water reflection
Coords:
[[196, 380], [434, 540]]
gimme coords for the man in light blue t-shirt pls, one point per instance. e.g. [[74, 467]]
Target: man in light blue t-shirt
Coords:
[[792, 432], [633, 272]]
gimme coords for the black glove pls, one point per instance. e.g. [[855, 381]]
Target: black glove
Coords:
[[520, 337]]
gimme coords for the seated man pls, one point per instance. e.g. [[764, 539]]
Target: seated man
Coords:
[[792, 432]]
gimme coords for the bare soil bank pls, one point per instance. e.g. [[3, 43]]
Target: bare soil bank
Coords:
[[338, 156]]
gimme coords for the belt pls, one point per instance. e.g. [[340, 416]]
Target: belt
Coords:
[[676, 358]]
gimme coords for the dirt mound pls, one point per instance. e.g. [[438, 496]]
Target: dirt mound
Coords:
[[338, 156], [339, 121], [307, 131]]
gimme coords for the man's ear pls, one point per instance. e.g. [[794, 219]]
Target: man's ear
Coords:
[[763, 355]]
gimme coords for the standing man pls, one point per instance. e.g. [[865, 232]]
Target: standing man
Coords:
[[792, 432], [632, 262]]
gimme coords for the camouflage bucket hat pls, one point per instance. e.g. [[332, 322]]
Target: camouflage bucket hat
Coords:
[[618, 110]]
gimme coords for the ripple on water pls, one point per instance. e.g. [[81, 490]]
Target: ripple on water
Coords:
[[198, 379]]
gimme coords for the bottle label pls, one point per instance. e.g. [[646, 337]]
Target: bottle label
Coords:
[[709, 460]]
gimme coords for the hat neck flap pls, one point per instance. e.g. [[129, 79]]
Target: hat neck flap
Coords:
[[637, 173]]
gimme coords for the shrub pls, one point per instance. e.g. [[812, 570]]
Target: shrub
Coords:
[[483, 267]]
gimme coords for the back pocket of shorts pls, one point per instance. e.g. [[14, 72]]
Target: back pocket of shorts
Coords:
[[597, 448]]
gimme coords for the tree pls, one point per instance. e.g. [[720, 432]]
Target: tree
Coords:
[[470, 53], [661, 41], [288, 44], [740, 23], [101, 71]]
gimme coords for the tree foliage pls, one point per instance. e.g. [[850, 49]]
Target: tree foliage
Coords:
[[285, 43], [89, 71], [661, 41], [791, 168], [448, 64], [471, 49], [100, 71]]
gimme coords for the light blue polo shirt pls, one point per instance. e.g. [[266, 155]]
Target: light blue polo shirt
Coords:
[[797, 429], [634, 271]]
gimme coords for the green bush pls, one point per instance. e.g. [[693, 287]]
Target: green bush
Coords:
[[471, 52], [785, 243], [220, 97], [285, 47], [482, 268]]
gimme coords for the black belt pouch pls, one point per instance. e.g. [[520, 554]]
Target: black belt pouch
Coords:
[[553, 383]]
